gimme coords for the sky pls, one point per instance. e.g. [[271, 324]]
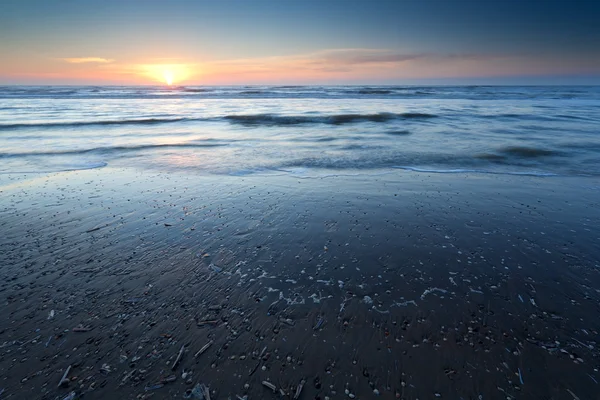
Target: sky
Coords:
[[231, 42]]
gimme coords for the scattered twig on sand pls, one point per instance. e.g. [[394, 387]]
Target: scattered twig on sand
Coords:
[[209, 322], [262, 352], [299, 389], [127, 377], [319, 323], [70, 396], [82, 328], [521, 376], [203, 349], [63, 381], [583, 344], [176, 362], [270, 386], [573, 394], [254, 369]]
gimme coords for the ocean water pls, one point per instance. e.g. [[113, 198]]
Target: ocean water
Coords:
[[305, 131]]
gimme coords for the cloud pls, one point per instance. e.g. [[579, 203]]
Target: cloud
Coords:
[[81, 60], [361, 56]]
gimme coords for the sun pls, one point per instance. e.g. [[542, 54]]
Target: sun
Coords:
[[168, 75]]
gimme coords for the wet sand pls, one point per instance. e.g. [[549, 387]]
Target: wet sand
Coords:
[[401, 285]]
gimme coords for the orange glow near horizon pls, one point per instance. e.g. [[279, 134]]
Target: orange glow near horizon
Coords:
[[334, 66]]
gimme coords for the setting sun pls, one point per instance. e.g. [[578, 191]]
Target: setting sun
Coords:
[[168, 75]]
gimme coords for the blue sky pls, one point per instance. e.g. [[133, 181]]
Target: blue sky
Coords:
[[285, 41]]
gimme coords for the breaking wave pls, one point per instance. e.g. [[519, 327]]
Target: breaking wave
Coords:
[[145, 121], [111, 149], [339, 119]]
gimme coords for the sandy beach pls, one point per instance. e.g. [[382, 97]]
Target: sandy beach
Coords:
[[123, 283]]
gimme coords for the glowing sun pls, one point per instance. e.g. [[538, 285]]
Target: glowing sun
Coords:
[[168, 75]]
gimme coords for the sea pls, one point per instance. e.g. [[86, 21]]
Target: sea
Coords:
[[307, 131]]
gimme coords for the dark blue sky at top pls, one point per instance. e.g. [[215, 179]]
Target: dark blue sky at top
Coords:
[[288, 26]]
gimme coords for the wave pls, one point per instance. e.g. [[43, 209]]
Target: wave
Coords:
[[253, 92], [64, 168], [527, 152], [374, 91], [398, 132], [474, 171], [293, 91], [340, 119], [110, 149], [144, 121], [420, 162], [196, 90], [247, 119]]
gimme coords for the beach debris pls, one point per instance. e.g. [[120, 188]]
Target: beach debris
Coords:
[[532, 301], [215, 268], [169, 379], [81, 328], [270, 386], [432, 290], [573, 394], [205, 391], [71, 396], [589, 346], [203, 349], [196, 393], [254, 369], [127, 377], [162, 383], [367, 300], [299, 389], [178, 359], [520, 377], [207, 322], [319, 323], [262, 352], [64, 381], [105, 368], [51, 314], [153, 387], [287, 321]]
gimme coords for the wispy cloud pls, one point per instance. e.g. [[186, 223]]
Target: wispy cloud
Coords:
[[81, 60], [361, 56]]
